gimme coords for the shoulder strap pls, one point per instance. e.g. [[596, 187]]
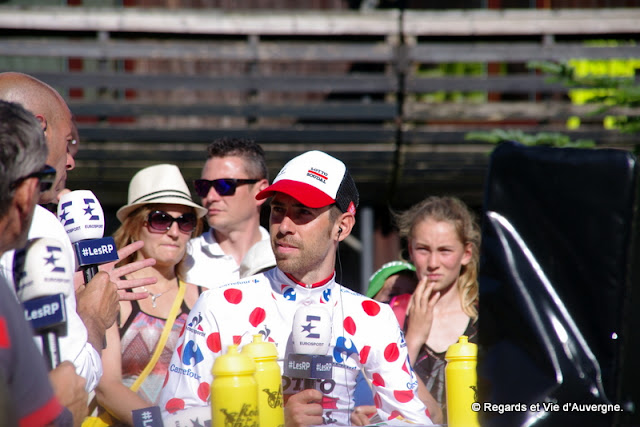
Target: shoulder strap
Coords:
[[135, 309], [163, 338]]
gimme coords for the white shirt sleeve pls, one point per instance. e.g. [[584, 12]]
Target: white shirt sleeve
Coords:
[[73, 346]]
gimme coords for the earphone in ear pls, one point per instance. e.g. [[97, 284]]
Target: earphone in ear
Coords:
[[339, 230]]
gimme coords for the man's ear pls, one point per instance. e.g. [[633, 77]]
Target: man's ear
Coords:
[[344, 226], [258, 187], [43, 122], [26, 196]]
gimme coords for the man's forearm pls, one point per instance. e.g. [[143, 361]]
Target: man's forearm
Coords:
[[95, 331]]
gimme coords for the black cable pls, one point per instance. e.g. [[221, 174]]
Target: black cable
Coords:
[[339, 269]]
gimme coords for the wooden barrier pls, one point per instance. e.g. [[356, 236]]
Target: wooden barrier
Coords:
[[158, 85]]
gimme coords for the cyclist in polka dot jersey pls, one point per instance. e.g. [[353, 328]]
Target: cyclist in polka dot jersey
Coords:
[[312, 210]]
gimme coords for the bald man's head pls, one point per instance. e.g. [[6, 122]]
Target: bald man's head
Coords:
[[54, 115]]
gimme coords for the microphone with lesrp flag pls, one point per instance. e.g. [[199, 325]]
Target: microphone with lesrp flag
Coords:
[[150, 417], [43, 274], [311, 336], [83, 219]]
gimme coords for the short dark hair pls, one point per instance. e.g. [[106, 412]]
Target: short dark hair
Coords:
[[23, 148], [247, 149]]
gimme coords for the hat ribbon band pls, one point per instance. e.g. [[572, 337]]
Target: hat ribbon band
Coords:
[[160, 194]]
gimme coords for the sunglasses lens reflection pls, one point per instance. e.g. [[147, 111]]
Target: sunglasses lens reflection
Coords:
[[162, 221], [224, 187]]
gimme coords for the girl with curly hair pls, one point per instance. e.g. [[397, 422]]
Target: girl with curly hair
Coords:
[[443, 240]]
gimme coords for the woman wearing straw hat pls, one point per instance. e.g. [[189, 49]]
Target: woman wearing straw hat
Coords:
[[160, 212]]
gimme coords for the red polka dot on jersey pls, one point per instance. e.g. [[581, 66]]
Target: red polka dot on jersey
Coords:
[[329, 402], [237, 339], [372, 308], [349, 325], [405, 366], [179, 350], [174, 405], [377, 400], [213, 342], [257, 316], [394, 414], [391, 352], [203, 391], [233, 296], [403, 396], [377, 380], [364, 353]]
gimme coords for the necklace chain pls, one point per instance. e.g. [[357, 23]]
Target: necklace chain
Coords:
[[154, 297]]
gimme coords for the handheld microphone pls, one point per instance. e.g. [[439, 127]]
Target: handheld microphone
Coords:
[[148, 417], [83, 219], [311, 336], [43, 274]]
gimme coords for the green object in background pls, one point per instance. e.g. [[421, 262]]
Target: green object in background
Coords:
[[389, 269]]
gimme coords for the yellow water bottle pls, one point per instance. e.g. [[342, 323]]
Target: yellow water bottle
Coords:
[[234, 391], [461, 383], [269, 379]]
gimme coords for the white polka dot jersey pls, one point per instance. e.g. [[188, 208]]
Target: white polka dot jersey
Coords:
[[365, 336]]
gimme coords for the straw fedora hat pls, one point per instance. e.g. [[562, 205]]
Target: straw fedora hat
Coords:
[[158, 184]]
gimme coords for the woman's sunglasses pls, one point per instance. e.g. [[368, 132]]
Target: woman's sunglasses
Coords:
[[162, 221], [46, 176], [224, 186]]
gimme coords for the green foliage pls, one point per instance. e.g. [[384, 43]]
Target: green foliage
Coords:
[[566, 74], [451, 69], [602, 91], [551, 139], [608, 92]]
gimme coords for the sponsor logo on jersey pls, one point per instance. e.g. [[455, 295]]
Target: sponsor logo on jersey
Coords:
[[191, 352]]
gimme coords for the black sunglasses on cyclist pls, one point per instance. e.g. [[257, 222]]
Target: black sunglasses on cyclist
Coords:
[[224, 186], [162, 221], [46, 176]]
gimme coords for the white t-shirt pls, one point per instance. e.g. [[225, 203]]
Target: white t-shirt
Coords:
[[74, 346], [208, 266]]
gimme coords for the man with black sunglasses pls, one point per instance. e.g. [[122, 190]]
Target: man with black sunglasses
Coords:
[[93, 309], [235, 171]]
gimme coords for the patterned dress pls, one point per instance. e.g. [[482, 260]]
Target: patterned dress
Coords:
[[138, 337]]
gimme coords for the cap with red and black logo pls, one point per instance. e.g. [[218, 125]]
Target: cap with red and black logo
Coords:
[[316, 179]]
